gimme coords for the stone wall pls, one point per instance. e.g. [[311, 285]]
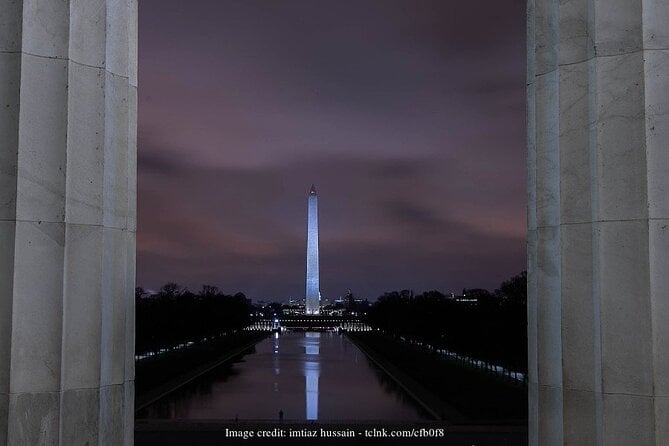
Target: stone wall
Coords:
[[598, 221], [68, 85]]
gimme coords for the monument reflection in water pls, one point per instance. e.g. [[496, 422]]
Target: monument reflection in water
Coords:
[[311, 372], [305, 375]]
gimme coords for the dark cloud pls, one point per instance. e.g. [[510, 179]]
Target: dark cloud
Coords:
[[413, 215], [151, 162], [407, 115]]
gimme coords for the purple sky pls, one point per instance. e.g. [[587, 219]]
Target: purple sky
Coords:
[[409, 116]]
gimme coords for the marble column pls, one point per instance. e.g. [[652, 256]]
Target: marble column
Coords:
[[68, 93], [598, 221]]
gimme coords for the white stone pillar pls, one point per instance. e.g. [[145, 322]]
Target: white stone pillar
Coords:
[[598, 221], [68, 93]]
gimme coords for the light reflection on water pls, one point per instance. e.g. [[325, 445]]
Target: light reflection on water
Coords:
[[307, 376], [311, 372]]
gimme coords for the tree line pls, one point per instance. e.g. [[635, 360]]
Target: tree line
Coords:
[[176, 315], [491, 326]]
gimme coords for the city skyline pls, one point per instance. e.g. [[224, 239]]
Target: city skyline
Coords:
[[410, 119]]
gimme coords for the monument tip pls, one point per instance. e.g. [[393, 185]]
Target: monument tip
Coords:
[[313, 190]]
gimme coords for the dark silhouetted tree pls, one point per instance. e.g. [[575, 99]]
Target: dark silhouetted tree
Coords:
[[179, 316], [494, 328]]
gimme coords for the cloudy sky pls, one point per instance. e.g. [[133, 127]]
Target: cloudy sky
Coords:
[[407, 115]]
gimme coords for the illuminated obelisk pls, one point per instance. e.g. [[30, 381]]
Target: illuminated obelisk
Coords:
[[313, 296]]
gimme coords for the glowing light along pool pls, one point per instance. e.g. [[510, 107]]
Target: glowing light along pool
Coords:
[[305, 376]]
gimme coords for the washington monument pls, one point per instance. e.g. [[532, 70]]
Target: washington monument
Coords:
[[313, 296]]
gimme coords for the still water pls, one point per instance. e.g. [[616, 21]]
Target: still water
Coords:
[[307, 376]]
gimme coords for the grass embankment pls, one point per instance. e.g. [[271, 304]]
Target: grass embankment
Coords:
[[480, 396], [161, 374]]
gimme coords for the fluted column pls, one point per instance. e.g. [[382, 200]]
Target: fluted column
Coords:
[[598, 219], [68, 91]]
